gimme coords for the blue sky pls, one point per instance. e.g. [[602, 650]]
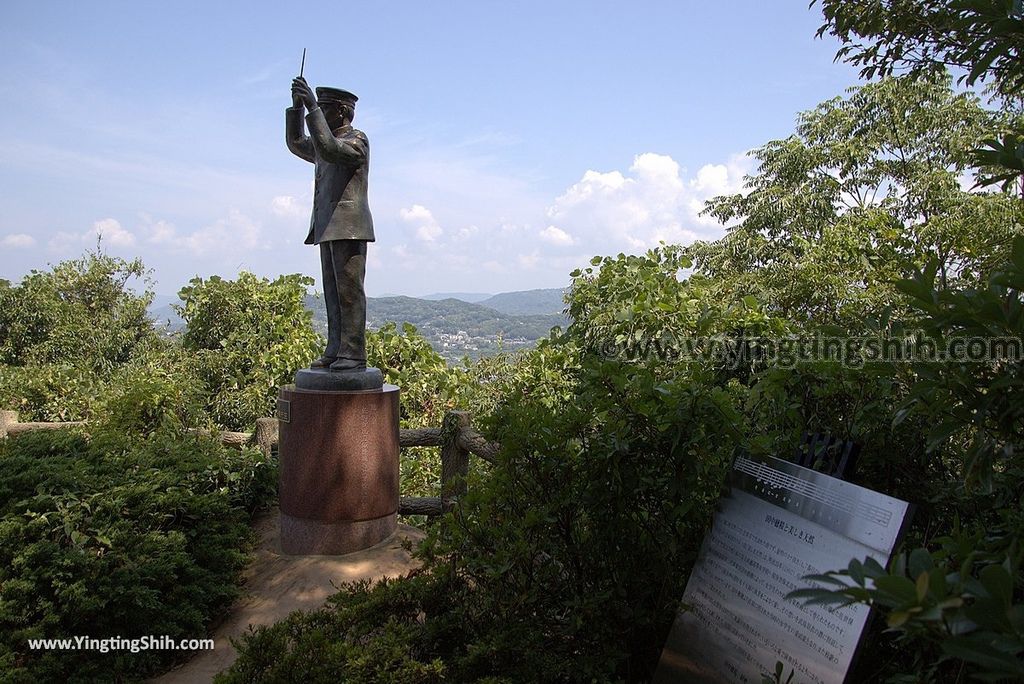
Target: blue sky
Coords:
[[510, 142]]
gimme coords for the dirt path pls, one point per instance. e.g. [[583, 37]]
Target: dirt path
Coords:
[[276, 585]]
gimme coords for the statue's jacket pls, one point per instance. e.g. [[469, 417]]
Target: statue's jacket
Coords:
[[342, 159]]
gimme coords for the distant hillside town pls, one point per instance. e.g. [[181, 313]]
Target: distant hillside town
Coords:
[[457, 324]]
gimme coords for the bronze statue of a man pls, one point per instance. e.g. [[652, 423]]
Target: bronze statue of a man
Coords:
[[341, 223]]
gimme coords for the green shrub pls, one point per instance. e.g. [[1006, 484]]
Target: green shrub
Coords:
[[50, 392], [958, 603], [129, 534], [65, 332], [248, 337], [429, 389], [395, 631], [80, 313]]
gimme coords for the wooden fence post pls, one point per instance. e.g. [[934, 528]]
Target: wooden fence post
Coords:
[[266, 434], [454, 458], [7, 418]]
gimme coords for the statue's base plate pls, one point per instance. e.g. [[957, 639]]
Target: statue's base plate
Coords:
[[301, 537], [325, 380]]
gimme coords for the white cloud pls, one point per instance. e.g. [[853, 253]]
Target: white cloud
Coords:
[[657, 170], [556, 236], [373, 260], [233, 233], [655, 201], [427, 228], [529, 261], [18, 241], [160, 232], [518, 244], [287, 206], [110, 232], [713, 179], [62, 241]]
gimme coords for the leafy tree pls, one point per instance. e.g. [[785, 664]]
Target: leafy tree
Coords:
[[863, 197], [65, 333], [81, 313], [248, 337], [866, 190], [984, 38]]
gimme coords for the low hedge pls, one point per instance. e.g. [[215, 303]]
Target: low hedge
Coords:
[[119, 535]]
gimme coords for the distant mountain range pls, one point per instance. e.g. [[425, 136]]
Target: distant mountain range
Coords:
[[455, 326], [471, 297], [163, 314], [524, 302]]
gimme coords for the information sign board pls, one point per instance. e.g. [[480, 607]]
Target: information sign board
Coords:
[[779, 523]]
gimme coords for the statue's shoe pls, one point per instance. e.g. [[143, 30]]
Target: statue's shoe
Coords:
[[323, 362], [348, 365]]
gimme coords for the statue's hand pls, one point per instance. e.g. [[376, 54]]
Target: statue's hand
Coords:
[[303, 94]]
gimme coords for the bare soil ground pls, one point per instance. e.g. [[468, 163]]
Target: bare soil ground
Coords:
[[276, 585]]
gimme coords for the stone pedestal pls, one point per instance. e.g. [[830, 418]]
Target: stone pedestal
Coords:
[[339, 469]]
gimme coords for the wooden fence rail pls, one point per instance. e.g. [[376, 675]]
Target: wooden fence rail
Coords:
[[456, 438]]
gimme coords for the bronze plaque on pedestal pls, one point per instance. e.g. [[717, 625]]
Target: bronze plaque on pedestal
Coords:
[[284, 410]]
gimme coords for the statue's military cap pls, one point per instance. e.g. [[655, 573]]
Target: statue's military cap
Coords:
[[336, 95]]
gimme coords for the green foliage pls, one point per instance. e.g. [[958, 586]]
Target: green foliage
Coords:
[[776, 677], [1005, 155], [417, 641], [50, 392], [964, 601], [429, 388], [608, 316], [248, 336], [959, 604], [866, 191], [985, 38], [82, 314], [125, 535], [156, 392], [982, 38], [64, 333], [976, 404]]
